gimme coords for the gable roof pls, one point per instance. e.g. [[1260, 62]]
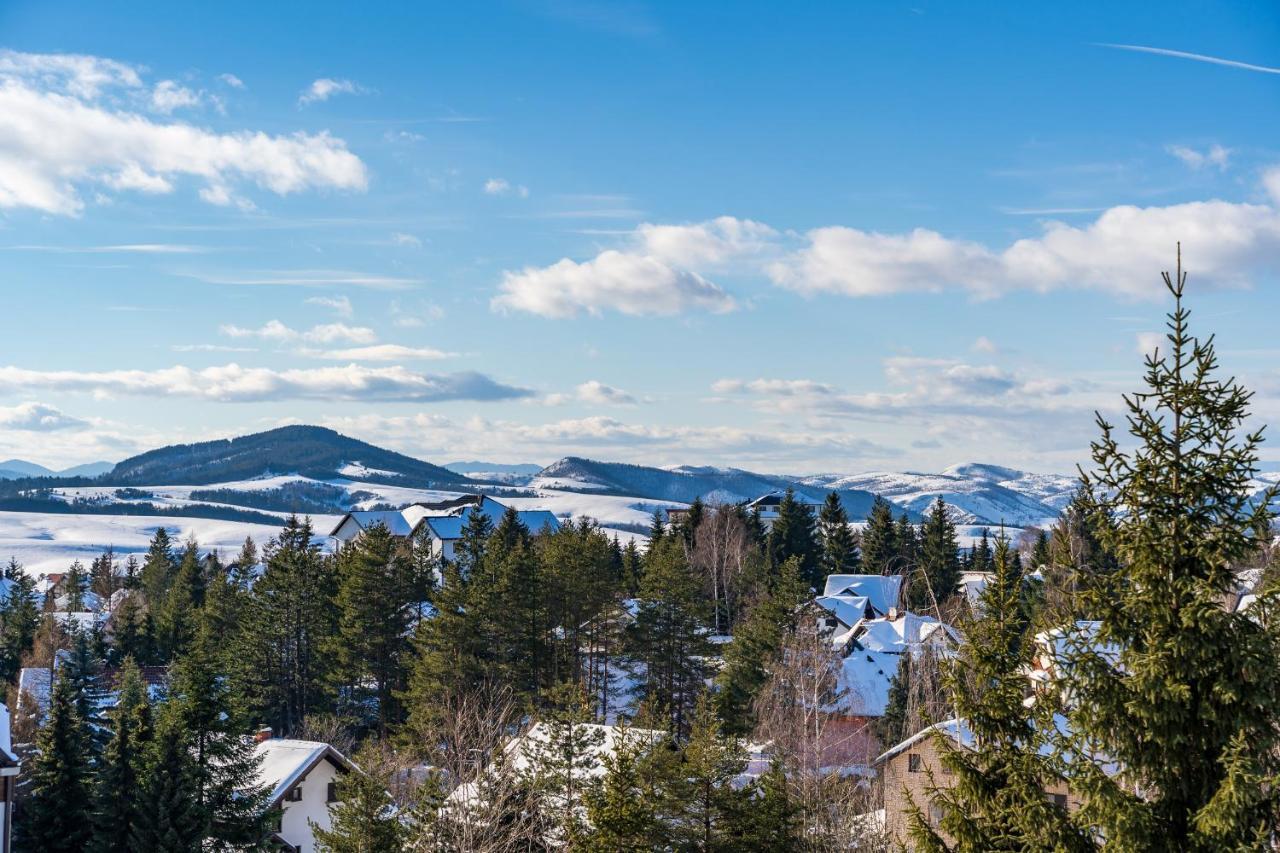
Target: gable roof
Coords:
[[849, 609], [393, 519], [899, 635], [445, 519], [883, 590], [286, 762]]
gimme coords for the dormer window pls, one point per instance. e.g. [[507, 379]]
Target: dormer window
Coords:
[[294, 794]]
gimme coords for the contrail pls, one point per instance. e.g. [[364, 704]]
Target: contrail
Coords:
[[1198, 57]]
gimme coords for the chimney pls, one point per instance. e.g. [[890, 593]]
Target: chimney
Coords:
[[262, 735]]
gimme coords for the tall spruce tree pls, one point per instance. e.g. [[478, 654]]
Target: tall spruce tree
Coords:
[[175, 612], [995, 796], [1176, 690], [668, 636], [281, 666], [169, 819], [879, 540], [376, 600], [938, 576], [709, 801], [626, 812], [19, 619], [158, 566], [57, 815], [793, 535], [756, 644], [75, 583], [364, 819], [122, 771], [839, 545]]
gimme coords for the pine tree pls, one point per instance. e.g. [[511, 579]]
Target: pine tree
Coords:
[[75, 581], [563, 755], [708, 800], [771, 820], [879, 542], [19, 619], [227, 802], [57, 814], [158, 567], [132, 573], [625, 812], [688, 527], [907, 539], [980, 556], [375, 603], [1187, 707], [839, 545], [668, 636], [470, 549], [246, 563], [169, 819], [756, 643], [657, 528], [364, 820], [81, 670], [281, 668], [793, 535], [122, 772], [995, 799], [103, 580], [175, 612], [632, 569], [938, 578]]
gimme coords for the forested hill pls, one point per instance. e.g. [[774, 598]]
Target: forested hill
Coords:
[[713, 485], [310, 451]]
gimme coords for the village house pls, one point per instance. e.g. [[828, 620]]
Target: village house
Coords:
[[301, 777], [765, 505], [9, 768], [913, 768], [441, 523]]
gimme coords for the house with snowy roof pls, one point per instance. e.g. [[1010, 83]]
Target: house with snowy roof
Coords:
[[301, 779], [441, 523]]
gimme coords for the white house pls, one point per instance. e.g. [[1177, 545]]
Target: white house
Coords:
[[442, 523], [301, 776], [8, 780]]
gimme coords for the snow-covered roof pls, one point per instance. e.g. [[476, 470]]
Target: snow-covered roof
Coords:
[[450, 527], [883, 590], [956, 729], [285, 762], [864, 682], [445, 520], [36, 682], [899, 635], [392, 519], [849, 609]]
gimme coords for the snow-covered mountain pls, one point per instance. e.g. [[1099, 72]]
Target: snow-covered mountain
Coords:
[[14, 469]]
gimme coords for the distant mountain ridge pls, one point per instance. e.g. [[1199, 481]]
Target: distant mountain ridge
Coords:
[[310, 451], [16, 469]]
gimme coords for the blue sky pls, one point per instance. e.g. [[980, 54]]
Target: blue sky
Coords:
[[788, 237]]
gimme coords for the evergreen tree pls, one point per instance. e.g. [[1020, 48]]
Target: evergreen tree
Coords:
[[793, 535], [657, 528], [938, 578], [839, 545], [133, 635], [995, 799], [57, 815], [1040, 553], [879, 542], [364, 820], [563, 755], [980, 556], [771, 820], [227, 801], [81, 670], [632, 569], [75, 582], [512, 608], [158, 567], [688, 527], [246, 563], [708, 800], [625, 812], [1185, 706], [19, 619], [175, 612], [448, 654], [469, 550], [281, 667], [103, 580], [756, 643], [132, 573], [668, 635], [169, 819], [375, 603], [907, 539], [122, 773]]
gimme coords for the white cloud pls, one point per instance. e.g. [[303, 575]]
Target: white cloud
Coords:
[[382, 352], [1216, 155], [60, 132], [37, 417], [325, 88], [501, 186], [310, 278], [599, 394], [1123, 252], [168, 96], [715, 242], [234, 383], [773, 387], [400, 239], [613, 281], [1195, 57], [985, 345], [1148, 342], [328, 333], [340, 305], [231, 80]]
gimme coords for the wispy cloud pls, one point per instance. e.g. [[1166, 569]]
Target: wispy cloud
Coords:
[[37, 417], [381, 352], [325, 88], [1196, 57], [340, 305], [310, 278], [1216, 155], [131, 248], [329, 333], [501, 186]]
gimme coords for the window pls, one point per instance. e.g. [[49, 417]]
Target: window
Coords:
[[915, 764], [294, 795], [1059, 800], [333, 793], [935, 814]]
